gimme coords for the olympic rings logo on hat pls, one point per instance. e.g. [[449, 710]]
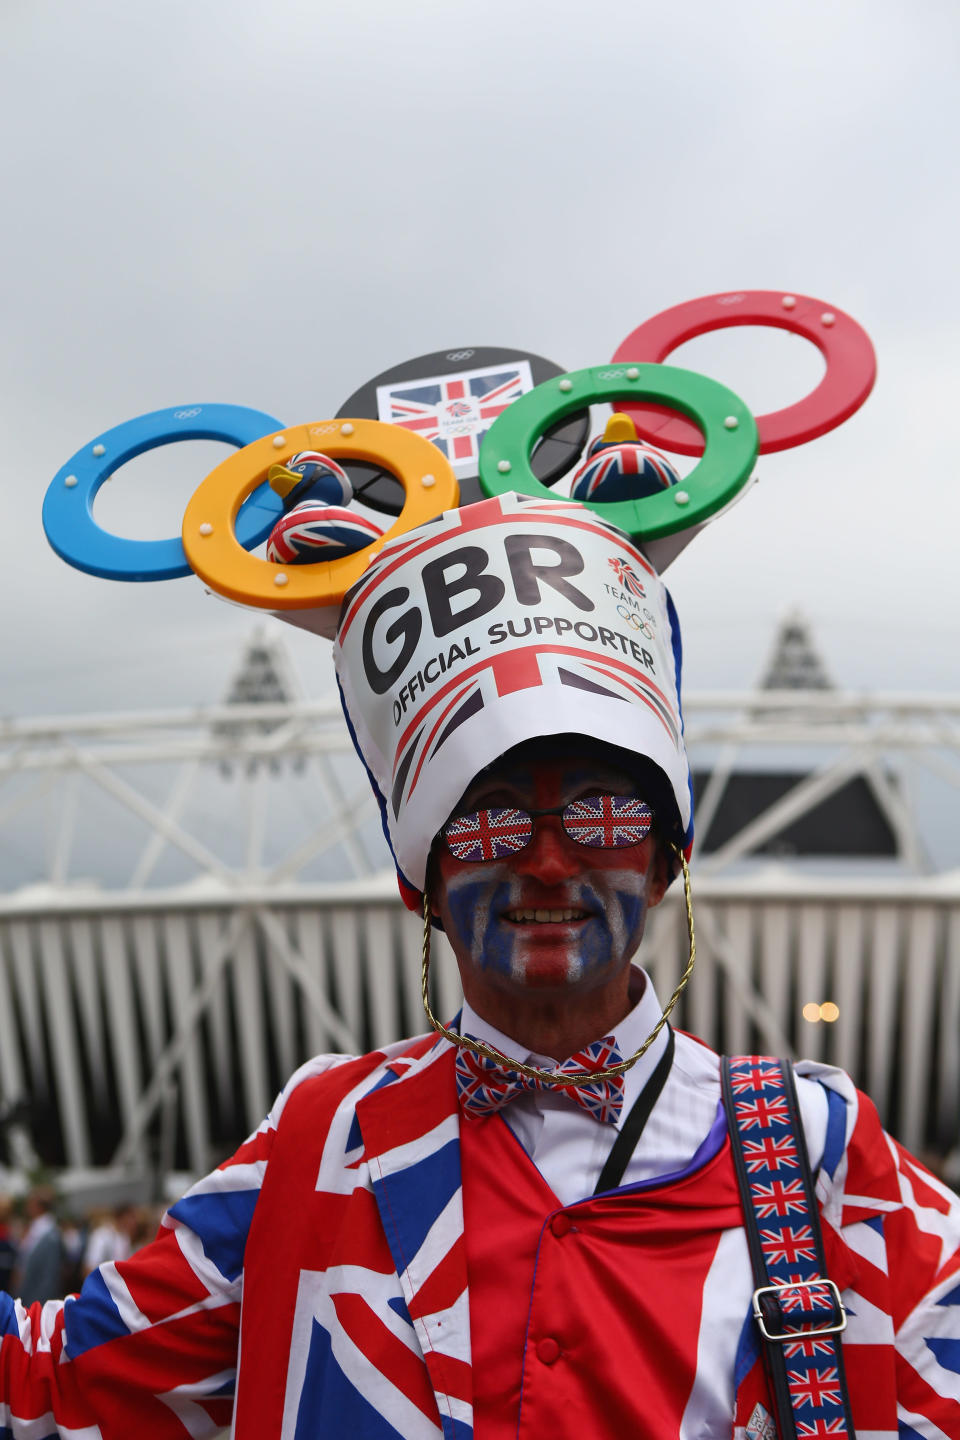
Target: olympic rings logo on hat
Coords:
[[635, 621]]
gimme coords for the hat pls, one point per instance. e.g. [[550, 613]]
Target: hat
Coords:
[[495, 623]]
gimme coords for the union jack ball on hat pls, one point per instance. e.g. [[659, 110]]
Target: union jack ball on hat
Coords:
[[627, 470], [312, 532], [310, 475]]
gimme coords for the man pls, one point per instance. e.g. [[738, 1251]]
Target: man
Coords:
[[431, 1240], [39, 1267]]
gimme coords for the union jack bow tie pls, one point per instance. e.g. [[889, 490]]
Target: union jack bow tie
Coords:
[[485, 1086]]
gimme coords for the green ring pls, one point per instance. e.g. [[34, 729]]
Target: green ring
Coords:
[[725, 467]]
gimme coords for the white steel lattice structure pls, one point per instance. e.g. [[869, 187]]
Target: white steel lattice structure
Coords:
[[242, 915]]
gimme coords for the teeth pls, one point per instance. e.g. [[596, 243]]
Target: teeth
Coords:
[[545, 917]]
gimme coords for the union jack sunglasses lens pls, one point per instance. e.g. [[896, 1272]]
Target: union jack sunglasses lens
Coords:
[[608, 822], [604, 822], [488, 834]]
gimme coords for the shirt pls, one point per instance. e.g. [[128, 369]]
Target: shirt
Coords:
[[569, 1147]]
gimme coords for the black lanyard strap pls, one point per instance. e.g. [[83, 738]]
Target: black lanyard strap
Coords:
[[632, 1128]]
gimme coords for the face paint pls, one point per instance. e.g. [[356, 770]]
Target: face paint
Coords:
[[556, 914], [618, 928], [491, 915]]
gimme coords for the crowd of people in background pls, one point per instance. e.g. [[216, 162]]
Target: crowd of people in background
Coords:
[[44, 1255]]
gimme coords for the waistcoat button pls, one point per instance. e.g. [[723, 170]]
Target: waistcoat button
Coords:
[[561, 1224], [548, 1350]]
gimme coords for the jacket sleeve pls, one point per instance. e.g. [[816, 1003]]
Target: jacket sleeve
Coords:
[[892, 1234], [923, 1248], [148, 1349]]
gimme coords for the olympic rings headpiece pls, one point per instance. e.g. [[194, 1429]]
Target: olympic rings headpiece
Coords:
[[234, 509]]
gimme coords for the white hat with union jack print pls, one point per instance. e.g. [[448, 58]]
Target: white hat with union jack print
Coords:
[[494, 624]]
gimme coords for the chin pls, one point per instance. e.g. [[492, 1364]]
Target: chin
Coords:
[[546, 970]]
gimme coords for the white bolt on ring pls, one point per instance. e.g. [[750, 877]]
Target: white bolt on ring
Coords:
[[566, 385], [789, 302], [504, 467], [633, 373], [828, 318], [70, 481], [428, 481], [99, 450], [346, 429], [681, 498], [731, 422], [279, 441], [206, 528], [280, 579]]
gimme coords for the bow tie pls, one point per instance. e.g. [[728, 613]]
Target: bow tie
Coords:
[[485, 1086]]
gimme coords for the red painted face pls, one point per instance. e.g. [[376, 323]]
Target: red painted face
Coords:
[[558, 914]]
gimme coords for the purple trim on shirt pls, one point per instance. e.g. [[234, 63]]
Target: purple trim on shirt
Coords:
[[709, 1146]]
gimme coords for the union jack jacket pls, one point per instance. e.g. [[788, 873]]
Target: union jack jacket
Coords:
[[316, 1283]]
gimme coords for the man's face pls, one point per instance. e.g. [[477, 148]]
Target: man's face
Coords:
[[557, 915]]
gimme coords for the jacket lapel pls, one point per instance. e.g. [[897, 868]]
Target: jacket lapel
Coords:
[[411, 1135]]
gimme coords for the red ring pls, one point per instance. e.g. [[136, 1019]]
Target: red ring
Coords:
[[845, 345]]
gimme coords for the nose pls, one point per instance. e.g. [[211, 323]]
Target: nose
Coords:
[[551, 857]]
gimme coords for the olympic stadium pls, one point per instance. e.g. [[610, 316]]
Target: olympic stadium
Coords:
[[196, 900]]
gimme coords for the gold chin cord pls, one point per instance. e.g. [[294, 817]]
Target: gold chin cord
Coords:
[[552, 1077]]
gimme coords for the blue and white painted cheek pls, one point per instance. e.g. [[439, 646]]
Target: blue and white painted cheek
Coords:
[[474, 902], [615, 899], [618, 906]]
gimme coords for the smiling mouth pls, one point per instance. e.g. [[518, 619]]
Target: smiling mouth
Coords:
[[560, 916]]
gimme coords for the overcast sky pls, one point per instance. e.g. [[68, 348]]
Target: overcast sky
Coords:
[[267, 206]]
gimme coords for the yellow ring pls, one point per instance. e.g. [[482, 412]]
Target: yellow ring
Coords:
[[209, 537]]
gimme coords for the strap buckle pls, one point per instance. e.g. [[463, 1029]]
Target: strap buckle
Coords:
[[808, 1300]]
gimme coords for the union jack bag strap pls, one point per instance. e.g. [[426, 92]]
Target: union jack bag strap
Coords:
[[797, 1309]]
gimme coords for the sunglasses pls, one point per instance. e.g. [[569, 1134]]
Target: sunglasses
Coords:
[[602, 822]]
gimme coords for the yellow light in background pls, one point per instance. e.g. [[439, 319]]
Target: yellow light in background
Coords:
[[827, 1011]]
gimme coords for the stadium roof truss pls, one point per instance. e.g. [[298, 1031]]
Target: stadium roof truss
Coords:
[[252, 796]]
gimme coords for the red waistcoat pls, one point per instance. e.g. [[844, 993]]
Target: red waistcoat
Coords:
[[584, 1319]]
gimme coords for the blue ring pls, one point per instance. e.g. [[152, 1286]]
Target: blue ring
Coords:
[[68, 509]]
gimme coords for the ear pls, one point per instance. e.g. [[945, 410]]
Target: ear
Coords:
[[659, 873], [433, 882]]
